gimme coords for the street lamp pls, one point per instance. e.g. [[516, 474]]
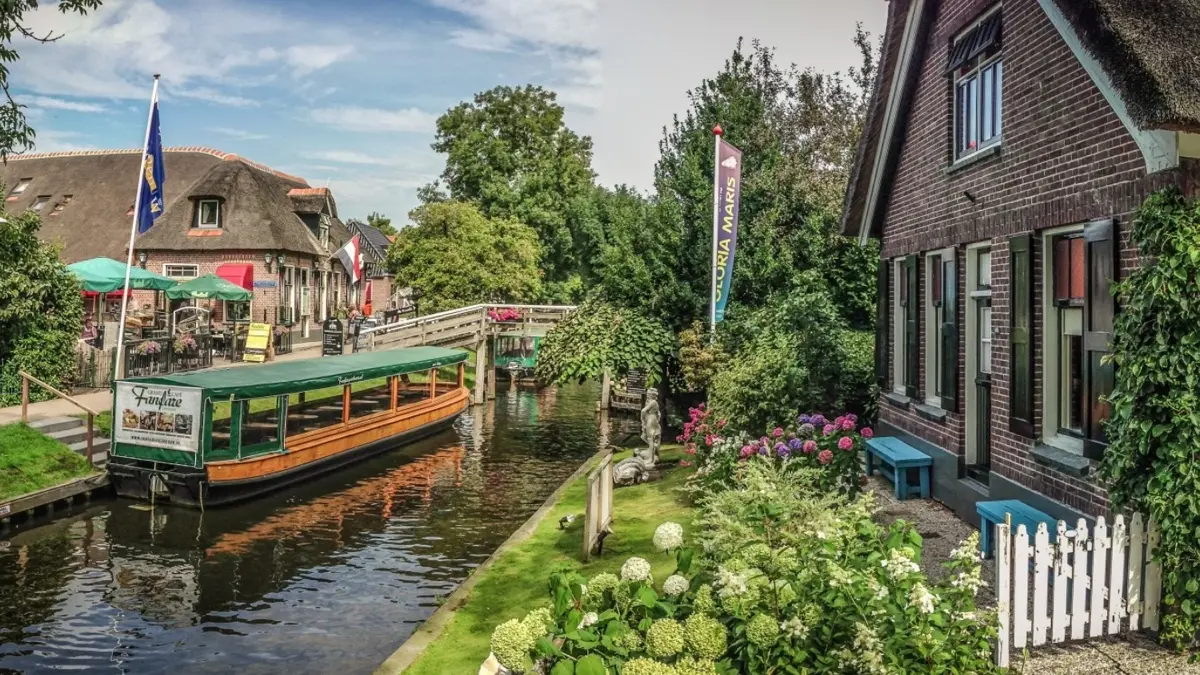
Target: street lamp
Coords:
[[267, 258], [142, 256]]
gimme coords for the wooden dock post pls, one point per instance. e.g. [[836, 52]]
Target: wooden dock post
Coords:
[[605, 390], [480, 372]]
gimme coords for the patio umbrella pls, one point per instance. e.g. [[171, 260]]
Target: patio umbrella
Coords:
[[104, 275], [209, 287]]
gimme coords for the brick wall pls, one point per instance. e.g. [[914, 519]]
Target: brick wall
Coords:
[[1066, 158]]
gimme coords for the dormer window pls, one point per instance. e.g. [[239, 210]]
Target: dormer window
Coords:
[[208, 213], [41, 202], [58, 208], [324, 230], [19, 188], [978, 72]]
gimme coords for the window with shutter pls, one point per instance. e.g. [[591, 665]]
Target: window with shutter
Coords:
[[949, 352], [1021, 335], [881, 326], [912, 313], [1099, 310], [941, 331]]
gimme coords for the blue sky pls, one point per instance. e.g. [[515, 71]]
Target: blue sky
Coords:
[[347, 91]]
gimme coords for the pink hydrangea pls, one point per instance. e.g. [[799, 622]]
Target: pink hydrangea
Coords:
[[778, 432], [829, 429], [848, 425], [825, 456], [845, 443], [866, 432], [810, 446]]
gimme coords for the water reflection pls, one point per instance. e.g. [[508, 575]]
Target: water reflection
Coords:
[[327, 577]]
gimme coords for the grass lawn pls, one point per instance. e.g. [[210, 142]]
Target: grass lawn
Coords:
[[30, 461], [516, 582]]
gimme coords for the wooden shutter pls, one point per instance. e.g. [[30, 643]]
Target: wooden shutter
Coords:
[[1020, 383], [1099, 309], [912, 319], [882, 326], [949, 383]]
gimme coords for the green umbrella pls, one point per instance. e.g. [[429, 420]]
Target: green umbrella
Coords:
[[105, 275], [209, 287]]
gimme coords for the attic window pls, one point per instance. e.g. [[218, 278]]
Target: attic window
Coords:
[[21, 186], [58, 208], [41, 202], [978, 73], [208, 213]]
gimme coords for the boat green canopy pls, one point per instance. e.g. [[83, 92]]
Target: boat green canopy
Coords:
[[274, 379], [209, 287], [105, 275]]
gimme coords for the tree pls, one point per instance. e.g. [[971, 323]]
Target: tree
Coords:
[[16, 136], [41, 315], [459, 257], [510, 153], [600, 336], [381, 223]]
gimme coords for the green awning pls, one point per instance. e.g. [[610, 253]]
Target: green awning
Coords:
[[288, 377], [105, 275], [209, 287]]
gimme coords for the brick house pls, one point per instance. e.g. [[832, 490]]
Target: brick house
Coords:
[[267, 231], [1006, 146]]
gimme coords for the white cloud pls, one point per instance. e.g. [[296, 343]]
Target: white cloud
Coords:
[[481, 41], [52, 140], [352, 157], [214, 96], [47, 102], [239, 134], [309, 58], [354, 118]]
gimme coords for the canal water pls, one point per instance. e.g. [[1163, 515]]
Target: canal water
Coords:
[[327, 577]]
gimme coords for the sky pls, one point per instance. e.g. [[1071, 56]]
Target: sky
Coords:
[[347, 92]]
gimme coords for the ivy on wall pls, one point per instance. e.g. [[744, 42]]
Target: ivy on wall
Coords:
[[1153, 462]]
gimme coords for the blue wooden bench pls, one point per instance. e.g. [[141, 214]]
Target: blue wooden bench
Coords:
[[993, 513], [895, 458]]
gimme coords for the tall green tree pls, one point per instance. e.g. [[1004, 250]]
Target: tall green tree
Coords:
[[381, 223], [459, 257], [510, 152], [41, 316], [16, 136]]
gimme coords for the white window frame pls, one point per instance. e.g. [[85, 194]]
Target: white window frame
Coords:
[[40, 202], [933, 328], [200, 214], [899, 350], [1051, 371], [978, 65], [167, 266], [21, 187], [971, 323]]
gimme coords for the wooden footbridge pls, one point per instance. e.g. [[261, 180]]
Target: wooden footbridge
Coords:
[[473, 327]]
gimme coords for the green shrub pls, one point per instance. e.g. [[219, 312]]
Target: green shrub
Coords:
[[601, 336]]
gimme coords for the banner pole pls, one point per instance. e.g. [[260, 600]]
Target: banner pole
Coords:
[[137, 212], [712, 305]]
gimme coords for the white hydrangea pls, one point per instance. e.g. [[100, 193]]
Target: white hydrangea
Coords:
[[880, 591], [675, 585], [899, 565], [668, 536], [922, 598], [635, 569], [968, 550], [870, 650], [589, 619], [971, 581], [794, 627], [730, 583]]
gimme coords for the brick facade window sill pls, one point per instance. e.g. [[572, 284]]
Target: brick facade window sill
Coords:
[[898, 400], [931, 413], [973, 159], [1066, 462]]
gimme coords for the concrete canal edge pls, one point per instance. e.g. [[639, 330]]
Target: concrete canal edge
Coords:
[[67, 491], [429, 631]]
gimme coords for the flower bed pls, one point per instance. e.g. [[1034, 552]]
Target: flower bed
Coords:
[[504, 314]]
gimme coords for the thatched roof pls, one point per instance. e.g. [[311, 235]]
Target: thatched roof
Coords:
[[313, 200], [256, 211], [1149, 48]]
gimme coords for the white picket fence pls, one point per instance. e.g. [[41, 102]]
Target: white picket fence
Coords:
[[1085, 584]]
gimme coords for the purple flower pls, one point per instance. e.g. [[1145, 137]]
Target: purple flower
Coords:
[[818, 420], [807, 429], [764, 440], [763, 450], [829, 429], [810, 446], [795, 444], [852, 417], [777, 433], [866, 432], [781, 450], [845, 443], [804, 419]]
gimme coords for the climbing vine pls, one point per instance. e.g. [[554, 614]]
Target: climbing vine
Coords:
[[1152, 464], [598, 336]]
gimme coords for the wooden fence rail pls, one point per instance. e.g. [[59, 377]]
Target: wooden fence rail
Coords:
[[1085, 584], [597, 517]]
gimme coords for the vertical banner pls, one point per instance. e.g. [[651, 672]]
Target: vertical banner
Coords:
[[728, 197]]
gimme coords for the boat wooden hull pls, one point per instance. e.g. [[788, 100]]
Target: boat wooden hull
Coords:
[[306, 455]]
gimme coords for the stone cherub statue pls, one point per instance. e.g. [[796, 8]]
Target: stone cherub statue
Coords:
[[637, 469]]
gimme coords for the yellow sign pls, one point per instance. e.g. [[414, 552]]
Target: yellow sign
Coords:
[[257, 339]]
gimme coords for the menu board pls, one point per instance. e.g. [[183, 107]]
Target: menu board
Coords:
[[158, 416], [635, 381], [258, 337], [331, 338]]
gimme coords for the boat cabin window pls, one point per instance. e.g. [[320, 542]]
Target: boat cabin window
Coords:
[[368, 397], [222, 437], [447, 379], [312, 410], [412, 388], [259, 423]]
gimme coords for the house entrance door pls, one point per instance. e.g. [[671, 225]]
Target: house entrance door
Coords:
[[979, 466]]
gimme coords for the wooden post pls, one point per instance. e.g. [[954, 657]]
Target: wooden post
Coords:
[[462, 374], [480, 372], [394, 391], [433, 383], [24, 399], [605, 390], [491, 371], [346, 404]]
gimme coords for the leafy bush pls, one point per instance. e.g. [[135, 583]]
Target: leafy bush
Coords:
[[600, 336], [1154, 426], [699, 357]]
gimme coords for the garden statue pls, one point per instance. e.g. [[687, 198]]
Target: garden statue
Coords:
[[637, 469]]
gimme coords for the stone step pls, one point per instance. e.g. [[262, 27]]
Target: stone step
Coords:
[[99, 445], [69, 436], [52, 424]]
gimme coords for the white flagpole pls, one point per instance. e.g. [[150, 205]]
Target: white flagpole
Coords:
[[137, 212], [712, 305]]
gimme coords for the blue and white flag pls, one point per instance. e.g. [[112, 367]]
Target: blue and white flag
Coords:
[[150, 190]]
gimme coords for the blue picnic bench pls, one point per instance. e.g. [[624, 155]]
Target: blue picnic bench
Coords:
[[993, 513], [895, 458]]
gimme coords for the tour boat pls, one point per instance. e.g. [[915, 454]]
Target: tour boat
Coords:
[[214, 437]]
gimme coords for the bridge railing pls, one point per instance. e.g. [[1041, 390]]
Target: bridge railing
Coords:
[[461, 327]]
